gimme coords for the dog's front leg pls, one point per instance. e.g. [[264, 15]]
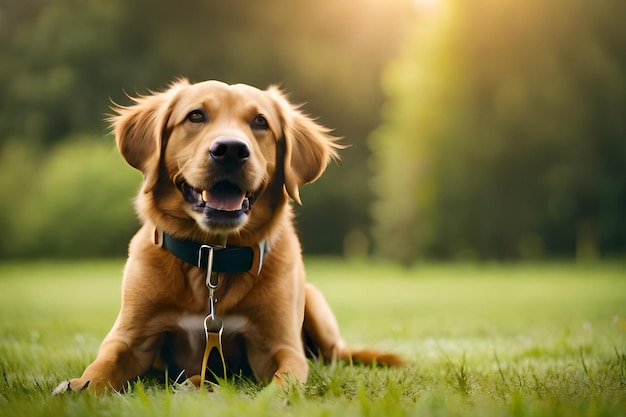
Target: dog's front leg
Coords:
[[117, 363], [291, 366], [279, 364]]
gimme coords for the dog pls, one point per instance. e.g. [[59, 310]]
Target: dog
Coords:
[[220, 165]]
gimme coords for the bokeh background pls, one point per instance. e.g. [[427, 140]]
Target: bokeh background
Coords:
[[479, 129]]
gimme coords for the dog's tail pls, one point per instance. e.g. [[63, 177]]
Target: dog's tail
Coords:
[[322, 338], [371, 357]]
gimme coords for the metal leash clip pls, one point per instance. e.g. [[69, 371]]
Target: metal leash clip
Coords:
[[213, 325]]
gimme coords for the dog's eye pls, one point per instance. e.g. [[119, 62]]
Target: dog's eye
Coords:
[[260, 123], [197, 116]]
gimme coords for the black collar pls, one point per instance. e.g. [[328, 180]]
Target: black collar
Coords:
[[231, 259]]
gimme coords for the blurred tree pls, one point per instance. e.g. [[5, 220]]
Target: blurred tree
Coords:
[[63, 60], [60, 209], [504, 134]]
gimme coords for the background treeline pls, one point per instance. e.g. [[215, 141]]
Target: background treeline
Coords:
[[65, 191], [505, 133], [503, 129]]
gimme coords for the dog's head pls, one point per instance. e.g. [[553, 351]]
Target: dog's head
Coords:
[[211, 153]]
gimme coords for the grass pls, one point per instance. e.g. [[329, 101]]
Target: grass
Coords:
[[489, 340]]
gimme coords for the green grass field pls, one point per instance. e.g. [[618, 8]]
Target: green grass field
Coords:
[[490, 340]]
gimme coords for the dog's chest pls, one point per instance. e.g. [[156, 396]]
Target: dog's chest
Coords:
[[230, 291]]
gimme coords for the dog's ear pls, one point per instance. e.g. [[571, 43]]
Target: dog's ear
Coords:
[[140, 130], [308, 146]]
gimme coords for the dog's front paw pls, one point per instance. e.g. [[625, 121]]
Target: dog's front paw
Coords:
[[74, 385]]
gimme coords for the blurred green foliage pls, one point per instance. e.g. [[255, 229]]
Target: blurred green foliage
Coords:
[[502, 132], [64, 60], [74, 201], [504, 135]]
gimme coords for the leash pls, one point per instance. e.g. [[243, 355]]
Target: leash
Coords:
[[217, 260], [213, 325]]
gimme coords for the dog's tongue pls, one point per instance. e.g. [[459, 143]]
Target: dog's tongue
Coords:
[[226, 197]]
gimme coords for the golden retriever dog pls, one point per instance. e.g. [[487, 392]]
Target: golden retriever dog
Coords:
[[220, 165]]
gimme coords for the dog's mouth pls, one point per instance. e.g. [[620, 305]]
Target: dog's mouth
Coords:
[[224, 203]]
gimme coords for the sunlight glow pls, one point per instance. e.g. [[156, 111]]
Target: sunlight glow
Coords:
[[426, 4]]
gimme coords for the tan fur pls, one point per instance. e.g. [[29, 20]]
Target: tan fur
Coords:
[[165, 299]]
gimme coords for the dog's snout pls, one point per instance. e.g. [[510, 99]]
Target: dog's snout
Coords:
[[229, 150]]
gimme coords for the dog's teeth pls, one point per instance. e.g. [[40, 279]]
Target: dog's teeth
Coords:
[[205, 196]]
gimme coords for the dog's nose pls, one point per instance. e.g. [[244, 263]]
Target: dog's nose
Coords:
[[229, 150]]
